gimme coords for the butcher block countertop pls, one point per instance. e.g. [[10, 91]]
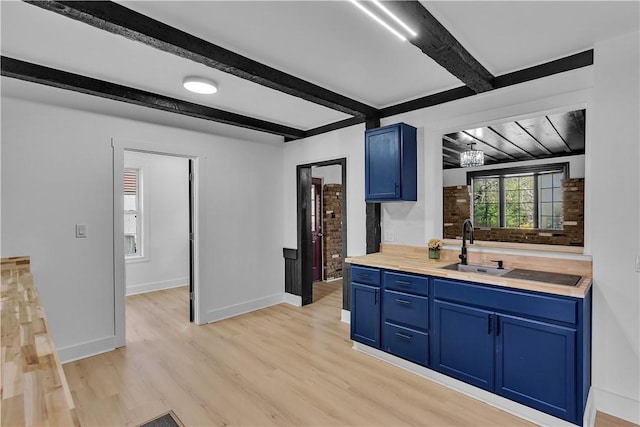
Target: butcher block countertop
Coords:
[[415, 260], [34, 388]]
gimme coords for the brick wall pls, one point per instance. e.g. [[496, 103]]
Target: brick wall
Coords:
[[457, 208], [332, 230]]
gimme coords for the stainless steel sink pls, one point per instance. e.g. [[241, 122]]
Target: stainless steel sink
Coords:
[[477, 268]]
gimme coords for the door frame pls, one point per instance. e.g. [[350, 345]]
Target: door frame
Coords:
[[119, 146], [318, 182], [304, 260]]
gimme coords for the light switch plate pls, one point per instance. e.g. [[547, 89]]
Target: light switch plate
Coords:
[[81, 231], [638, 263]]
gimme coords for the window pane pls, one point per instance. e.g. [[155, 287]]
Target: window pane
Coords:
[[557, 179], [130, 244], [130, 202], [486, 199], [546, 181], [130, 223]]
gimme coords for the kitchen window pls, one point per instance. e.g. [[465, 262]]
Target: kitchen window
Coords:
[[525, 197], [132, 213]]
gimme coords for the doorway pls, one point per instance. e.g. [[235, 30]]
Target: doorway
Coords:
[[308, 212], [316, 229], [193, 169]]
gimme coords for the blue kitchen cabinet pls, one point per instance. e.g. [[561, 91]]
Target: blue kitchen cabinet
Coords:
[[391, 163], [528, 347], [405, 312], [463, 345], [365, 305]]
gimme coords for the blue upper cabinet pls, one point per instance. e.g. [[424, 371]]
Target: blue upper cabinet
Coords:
[[390, 163]]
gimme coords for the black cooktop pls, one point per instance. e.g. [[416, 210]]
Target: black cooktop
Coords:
[[544, 276]]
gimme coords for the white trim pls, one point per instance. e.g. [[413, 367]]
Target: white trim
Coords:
[[517, 409], [86, 349], [292, 299], [589, 418], [345, 316], [616, 405], [199, 174], [157, 286], [245, 307]]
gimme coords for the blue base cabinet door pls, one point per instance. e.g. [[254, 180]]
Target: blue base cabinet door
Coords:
[[365, 314], [464, 343], [535, 365]]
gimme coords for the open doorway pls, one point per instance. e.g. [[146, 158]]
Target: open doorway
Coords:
[[322, 228], [158, 224]]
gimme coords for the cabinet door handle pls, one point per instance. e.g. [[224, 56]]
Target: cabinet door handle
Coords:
[[404, 336], [401, 283], [397, 189], [403, 301], [490, 321]]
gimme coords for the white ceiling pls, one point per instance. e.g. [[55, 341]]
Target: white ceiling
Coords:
[[329, 43]]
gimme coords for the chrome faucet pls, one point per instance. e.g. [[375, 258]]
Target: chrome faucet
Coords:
[[463, 250]]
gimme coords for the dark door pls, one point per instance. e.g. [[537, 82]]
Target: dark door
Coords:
[[316, 227], [191, 241]]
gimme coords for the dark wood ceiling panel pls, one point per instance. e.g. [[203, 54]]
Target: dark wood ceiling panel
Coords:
[[570, 126], [520, 138], [541, 129]]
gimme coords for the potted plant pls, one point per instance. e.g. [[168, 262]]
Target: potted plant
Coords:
[[434, 248]]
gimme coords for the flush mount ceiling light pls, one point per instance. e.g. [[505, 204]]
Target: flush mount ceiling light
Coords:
[[380, 21], [471, 157], [200, 85]]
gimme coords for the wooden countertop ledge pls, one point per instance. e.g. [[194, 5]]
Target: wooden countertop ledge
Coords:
[[413, 259], [34, 388]]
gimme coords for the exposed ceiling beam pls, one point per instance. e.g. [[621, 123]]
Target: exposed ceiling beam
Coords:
[[64, 80], [440, 45], [122, 21]]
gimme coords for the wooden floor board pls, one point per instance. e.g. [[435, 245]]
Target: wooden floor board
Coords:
[[282, 365]]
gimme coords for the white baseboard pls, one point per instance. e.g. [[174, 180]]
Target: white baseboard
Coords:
[[292, 299], [522, 411], [156, 286], [589, 419], [245, 307], [616, 405], [345, 316], [86, 349]]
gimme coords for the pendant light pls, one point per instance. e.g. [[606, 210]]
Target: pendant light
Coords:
[[471, 157]]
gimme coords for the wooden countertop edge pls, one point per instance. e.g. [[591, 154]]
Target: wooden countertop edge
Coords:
[[434, 268]]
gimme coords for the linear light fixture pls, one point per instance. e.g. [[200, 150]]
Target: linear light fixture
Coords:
[[394, 17], [378, 19]]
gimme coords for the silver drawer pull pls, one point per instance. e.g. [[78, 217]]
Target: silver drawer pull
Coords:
[[403, 301], [403, 336], [401, 283]]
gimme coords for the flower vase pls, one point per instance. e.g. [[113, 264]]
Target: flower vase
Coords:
[[434, 253]]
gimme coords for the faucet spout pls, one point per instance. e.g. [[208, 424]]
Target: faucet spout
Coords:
[[467, 225]]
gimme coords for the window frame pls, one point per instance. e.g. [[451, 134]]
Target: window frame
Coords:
[[141, 223], [502, 173]]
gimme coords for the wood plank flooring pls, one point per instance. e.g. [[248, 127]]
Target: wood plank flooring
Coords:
[[282, 365]]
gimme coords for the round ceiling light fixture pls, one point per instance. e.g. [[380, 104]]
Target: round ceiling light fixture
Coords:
[[200, 85]]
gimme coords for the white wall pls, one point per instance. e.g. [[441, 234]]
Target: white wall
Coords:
[[331, 174], [458, 176], [165, 190], [614, 182], [57, 171], [349, 143]]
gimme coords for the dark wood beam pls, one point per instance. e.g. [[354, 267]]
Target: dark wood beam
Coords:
[[125, 22], [440, 45], [64, 80], [334, 126]]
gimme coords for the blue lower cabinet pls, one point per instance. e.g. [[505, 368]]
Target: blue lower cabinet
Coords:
[[365, 314], [536, 365], [406, 343], [463, 343]]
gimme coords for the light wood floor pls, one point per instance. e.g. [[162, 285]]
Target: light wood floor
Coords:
[[282, 365]]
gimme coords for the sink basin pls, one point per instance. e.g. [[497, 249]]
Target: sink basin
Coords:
[[477, 268]]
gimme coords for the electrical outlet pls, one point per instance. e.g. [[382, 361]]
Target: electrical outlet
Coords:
[[81, 231], [638, 263]]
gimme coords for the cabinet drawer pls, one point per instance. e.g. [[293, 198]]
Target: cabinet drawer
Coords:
[[405, 309], [370, 276], [406, 343], [533, 305], [418, 285]]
